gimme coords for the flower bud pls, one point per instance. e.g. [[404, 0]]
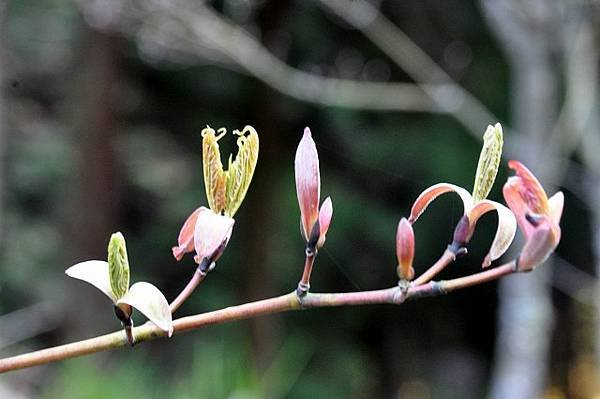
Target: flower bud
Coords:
[[118, 265], [405, 250], [308, 183], [462, 235]]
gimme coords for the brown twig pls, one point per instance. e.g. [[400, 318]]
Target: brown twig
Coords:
[[278, 304]]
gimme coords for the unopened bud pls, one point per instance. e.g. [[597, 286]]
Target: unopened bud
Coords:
[[118, 265], [489, 160], [462, 235], [405, 250]]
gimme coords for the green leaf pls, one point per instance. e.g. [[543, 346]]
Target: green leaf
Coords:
[[152, 303], [118, 265], [240, 171], [489, 160], [94, 272]]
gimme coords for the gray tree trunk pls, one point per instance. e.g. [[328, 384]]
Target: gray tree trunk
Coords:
[[525, 318]]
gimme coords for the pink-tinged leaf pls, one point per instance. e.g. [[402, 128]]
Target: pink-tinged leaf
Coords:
[[556, 204], [151, 303], [519, 207], [94, 272], [325, 215], [539, 245], [405, 249], [505, 233], [529, 187], [308, 182], [212, 234], [186, 235], [431, 193]]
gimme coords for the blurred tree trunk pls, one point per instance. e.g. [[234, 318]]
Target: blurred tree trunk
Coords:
[[95, 119], [3, 124], [525, 319], [259, 284]]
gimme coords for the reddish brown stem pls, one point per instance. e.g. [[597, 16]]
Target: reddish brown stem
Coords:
[[284, 303], [446, 258], [196, 279], [304, 284]]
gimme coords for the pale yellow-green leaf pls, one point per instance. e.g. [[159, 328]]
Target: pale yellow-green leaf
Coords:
[[94, 272], [148, 299], [215, 179], [489, 160], [241, 170], [118, 265]]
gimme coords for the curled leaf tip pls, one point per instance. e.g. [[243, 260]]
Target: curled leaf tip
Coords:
[[431, 193], [241, 169], [505, 232], [489, 160], [214, 176], [226, 189]]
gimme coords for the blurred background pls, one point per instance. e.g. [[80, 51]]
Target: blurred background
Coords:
[[101, 107]]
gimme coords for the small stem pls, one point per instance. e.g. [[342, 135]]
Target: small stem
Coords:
[[479, 278], [196, 279], [446, 258], [304, 284], [129, 335]]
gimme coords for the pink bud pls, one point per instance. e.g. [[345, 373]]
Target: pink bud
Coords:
[[405, 249], [186, 235], [308, 183], [325, 215], [211, 235]]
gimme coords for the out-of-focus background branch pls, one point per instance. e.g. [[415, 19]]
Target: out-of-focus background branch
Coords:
[[105, 99]]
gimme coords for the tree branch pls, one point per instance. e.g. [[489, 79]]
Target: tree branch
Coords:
[[284, 303]]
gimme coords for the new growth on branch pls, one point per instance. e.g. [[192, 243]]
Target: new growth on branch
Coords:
[[208, 229]]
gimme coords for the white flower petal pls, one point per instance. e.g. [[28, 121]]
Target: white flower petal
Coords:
[[152, 303], [94, 272]]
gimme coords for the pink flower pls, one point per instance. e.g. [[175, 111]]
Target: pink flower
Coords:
[[537, 215], [405, 249], [314, 223]]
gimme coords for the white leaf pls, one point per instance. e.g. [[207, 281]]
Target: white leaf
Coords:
[[94, 272], [152, 303], [505, 233]]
